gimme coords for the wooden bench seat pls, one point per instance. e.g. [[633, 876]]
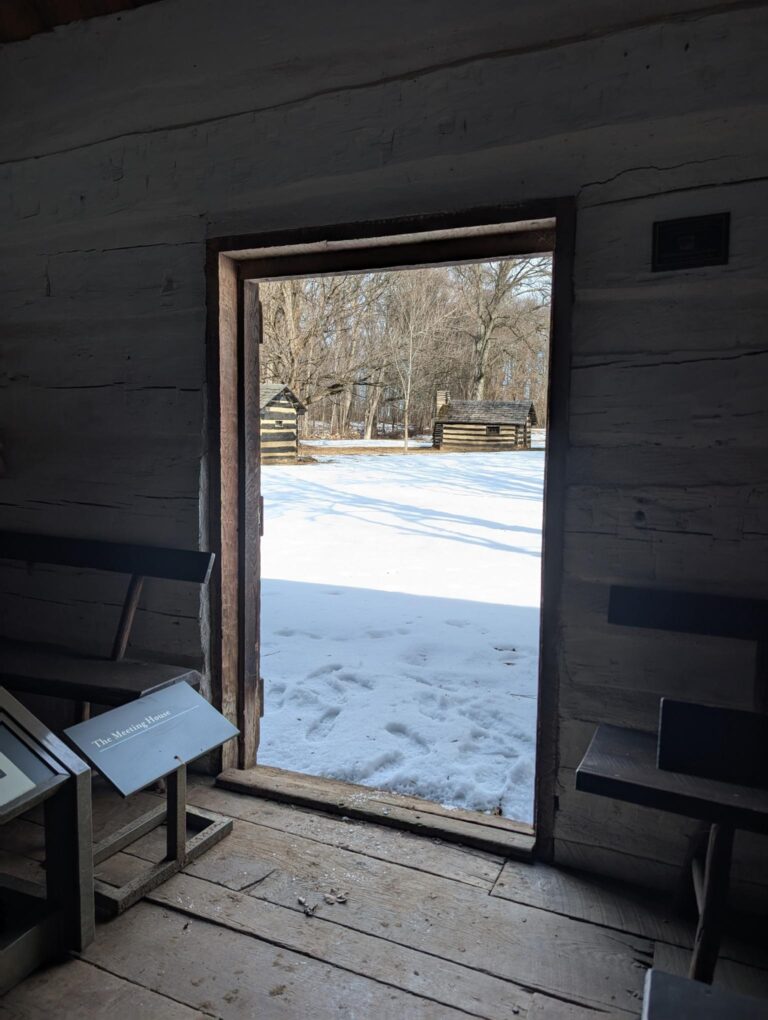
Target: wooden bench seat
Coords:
[[61, 672], [67, 673], [621, 763]]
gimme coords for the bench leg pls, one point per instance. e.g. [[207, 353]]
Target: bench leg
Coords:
[[714, 895], [686, 895], [176, 820]]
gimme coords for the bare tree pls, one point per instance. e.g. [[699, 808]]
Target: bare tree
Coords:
[[416, 314], [491, 310], [361, 350]]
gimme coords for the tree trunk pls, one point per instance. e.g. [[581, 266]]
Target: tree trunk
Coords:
[[372, 413], [344, 409]]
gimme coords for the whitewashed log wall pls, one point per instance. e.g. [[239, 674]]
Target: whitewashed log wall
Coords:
[[279, 432], [127, 141], [473, 436]]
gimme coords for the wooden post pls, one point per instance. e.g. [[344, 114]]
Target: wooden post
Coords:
[[176, 820], [714, 897], [249, 518]]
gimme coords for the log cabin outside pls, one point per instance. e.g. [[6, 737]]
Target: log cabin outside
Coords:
[[483, 424], [279, 411]]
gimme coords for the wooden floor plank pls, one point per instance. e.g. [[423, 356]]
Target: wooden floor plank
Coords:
[[78, 989], [351, 951], [527, 946], [417, 934], [617, 905], [233, 976], [22, 852], [112, 811], [276, 780], [566, 959], [590, 898], [25, 836], [544, 1008], [487, 832], [475, 867]]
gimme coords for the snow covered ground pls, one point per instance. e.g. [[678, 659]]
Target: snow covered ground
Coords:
[[400, 618]]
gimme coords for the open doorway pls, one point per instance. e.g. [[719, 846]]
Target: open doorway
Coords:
[[239, 268], [403, 420]]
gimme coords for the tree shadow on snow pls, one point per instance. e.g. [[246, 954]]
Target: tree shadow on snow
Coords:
[[319, 500]]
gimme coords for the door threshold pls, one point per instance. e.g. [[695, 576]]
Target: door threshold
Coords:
[[491, 833]]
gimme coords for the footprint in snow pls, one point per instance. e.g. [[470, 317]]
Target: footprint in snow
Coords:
[[301, 696], [415, 656], [356, 681], [431, 707], [457, 623], [330, 667], [378, 764], [322, 725], [398, 729], [274, 694], [484, 717]]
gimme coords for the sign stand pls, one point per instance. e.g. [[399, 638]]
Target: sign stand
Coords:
[[134, 746], [209, 830], [37, 768]]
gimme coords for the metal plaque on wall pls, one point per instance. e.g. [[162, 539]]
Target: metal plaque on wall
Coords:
[[691, 242]]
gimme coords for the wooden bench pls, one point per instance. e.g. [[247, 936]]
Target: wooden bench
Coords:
[[705, 762], [65, 673], [622, 764]]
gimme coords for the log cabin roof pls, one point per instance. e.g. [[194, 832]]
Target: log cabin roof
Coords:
[[270, 391], [488, 412]]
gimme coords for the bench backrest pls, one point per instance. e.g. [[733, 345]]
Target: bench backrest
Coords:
[[698, 613], [690, 612], [139, 561], [119, 557]]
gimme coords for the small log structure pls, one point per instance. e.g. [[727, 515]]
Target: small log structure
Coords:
[[483, 425], [279, 410]]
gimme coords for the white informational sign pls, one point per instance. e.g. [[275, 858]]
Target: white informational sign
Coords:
[[13, 782]]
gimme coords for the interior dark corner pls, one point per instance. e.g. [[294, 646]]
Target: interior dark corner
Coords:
[[383, 519]]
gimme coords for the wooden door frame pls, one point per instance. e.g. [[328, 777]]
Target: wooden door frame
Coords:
[[340, 248]]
